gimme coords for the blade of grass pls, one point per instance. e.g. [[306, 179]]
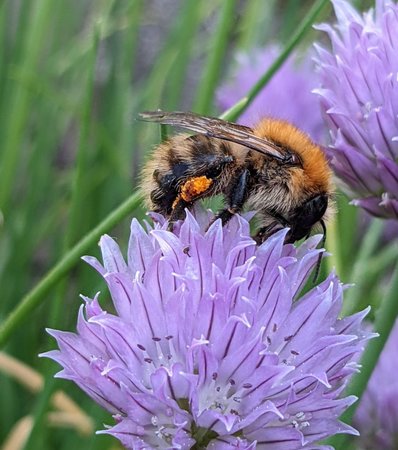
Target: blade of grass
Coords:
[[371, 283], [154, 87], [166, 60], [31, 189], [37, 295], [163, 133], [71, 54], [341, 238], [236, 110], [385, 320], [117, 113], [379, 263], [210, 78], [368, 246], [81, 168], [79, 202], [255, 23], [291, 13], [38, 430], [333, 262], [18, 108], [188, 25], [4, 52], [347, 227]]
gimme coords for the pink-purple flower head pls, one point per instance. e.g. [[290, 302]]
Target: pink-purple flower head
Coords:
[[287, 96], [359, 95], [377, 414], [212, 345]]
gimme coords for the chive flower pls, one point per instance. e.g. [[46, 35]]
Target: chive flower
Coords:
[[359, 96], [212, 344], [287, 96], [377, 414]]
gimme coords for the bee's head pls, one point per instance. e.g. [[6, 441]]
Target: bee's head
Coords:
[[305, 216]]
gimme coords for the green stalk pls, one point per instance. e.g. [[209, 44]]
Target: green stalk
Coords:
[[163, 133], [122, 109], [368, 246], [347, 228], [167, 57], [155, 86], [210, 78], [255, 24], [381, 262], [185, 33], [79, 203], [385, 320], [236, 110], [18, 108], [37, 295], [80, 175], [333, 244], [371, 280], [291, 12]]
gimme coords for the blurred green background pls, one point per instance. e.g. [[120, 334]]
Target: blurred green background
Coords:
[[73, 76]]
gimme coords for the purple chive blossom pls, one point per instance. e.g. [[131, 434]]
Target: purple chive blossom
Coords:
[[359, 95], [287, 96], [377, 414], [212, 345]]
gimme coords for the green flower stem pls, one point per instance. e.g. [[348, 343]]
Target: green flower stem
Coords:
[[79, 202], [371, 280], [18, 108], [347, 232], [163, 133], [37, 295], [385, 320], [236, 110], [215, 60], [255, 23], [368, 246], [381, 262], [79, 187], [185, 35], [333, 261], [164, 86]]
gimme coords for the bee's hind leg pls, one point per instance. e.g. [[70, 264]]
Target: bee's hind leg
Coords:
[[190, 191], [178, 211]]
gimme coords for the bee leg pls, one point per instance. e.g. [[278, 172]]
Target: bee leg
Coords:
[[225, 215], [265, 232], [235, 199], [192, 189], [178, 211]]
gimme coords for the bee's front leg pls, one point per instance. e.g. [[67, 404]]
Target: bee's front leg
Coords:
[[274, 222], [265, 232], [235, 199]]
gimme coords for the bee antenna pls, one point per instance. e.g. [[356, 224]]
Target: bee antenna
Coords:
[[318, 263]]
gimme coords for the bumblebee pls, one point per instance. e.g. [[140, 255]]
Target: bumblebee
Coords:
[[272, 168]]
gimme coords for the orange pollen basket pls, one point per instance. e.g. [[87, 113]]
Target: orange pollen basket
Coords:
[[194, 187]]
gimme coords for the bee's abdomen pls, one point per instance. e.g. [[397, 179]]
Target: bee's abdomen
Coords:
[[180, 159]]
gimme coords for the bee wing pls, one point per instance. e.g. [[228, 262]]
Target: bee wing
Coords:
[[221, 129]]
